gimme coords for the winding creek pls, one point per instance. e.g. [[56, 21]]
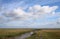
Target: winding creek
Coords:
[[23, 36]]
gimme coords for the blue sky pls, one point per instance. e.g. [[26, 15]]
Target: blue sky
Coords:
[[29, 13]]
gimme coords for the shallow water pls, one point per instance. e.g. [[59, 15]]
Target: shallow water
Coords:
[[23, 36]]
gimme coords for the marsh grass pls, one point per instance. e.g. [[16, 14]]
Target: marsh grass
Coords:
[[35, 35], [7, 33], [46, 34]]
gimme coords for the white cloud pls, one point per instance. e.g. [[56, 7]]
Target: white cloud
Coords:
[[19, 11], [42, 9], [35, 12]]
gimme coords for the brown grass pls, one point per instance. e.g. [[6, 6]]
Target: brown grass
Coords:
[[12, 32], [46, 34]]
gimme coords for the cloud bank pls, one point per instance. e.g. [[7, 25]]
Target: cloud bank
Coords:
[[33, 12], [30, 17]]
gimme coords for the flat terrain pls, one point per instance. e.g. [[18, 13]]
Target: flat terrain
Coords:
[[29, 33], [46, 34], [6, 33]]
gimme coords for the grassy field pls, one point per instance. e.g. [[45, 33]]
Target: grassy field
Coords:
[[38, 34], [46, 34], [12, 32], [52, 34]]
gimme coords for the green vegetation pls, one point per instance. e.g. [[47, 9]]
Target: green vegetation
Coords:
[[53, 35], [45, 34], [38, 33], [34, 36], [4, 33]]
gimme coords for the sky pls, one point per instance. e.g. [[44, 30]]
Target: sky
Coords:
[[29, 13]]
